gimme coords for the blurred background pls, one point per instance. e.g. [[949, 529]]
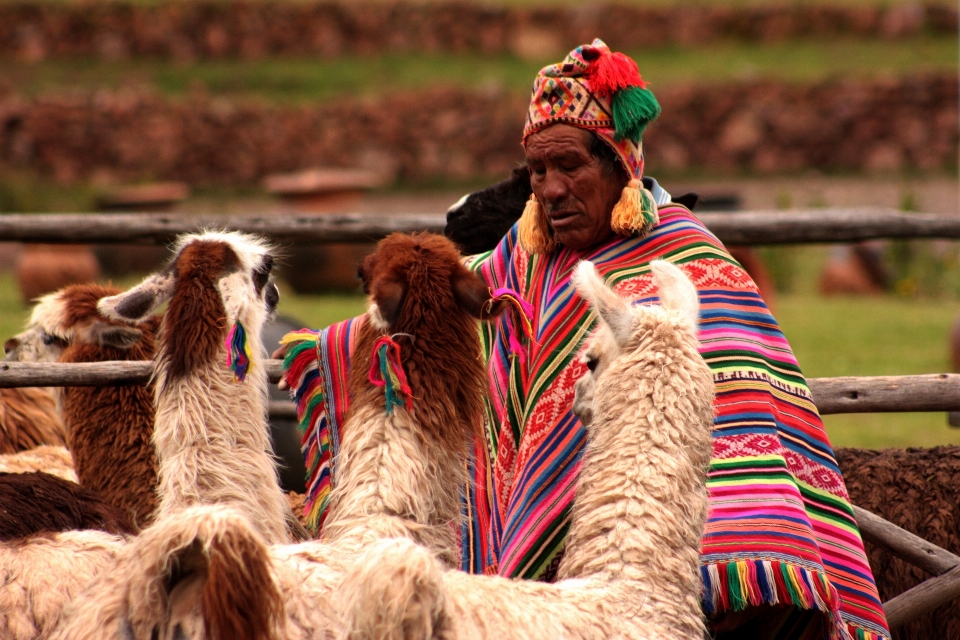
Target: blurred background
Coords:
[[402, 106]]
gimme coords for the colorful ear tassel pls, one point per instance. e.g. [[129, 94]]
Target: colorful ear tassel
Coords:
[[239, 356], [519, 319], [386, 370]]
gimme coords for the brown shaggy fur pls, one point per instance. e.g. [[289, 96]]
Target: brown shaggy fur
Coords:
[[919, 490], [32, 503], [194, 324], [235, 603], [422, 290], [110, 428], [28, 419]]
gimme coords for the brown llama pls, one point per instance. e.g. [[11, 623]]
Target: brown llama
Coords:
[[109, 429]]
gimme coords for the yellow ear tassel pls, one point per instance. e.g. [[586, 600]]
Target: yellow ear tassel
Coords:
[[635, 212], [534, 228]]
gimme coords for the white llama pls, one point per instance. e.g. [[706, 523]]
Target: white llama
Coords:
[[211, 434]]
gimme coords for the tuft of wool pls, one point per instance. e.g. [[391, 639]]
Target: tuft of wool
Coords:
[[635, 211], [239, 355], [534, 229], [633, 109], [613, 72]]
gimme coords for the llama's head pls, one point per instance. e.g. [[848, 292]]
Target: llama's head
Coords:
[[70, 317], [623, 326], [480, 219], [420, 294], [216, 282]]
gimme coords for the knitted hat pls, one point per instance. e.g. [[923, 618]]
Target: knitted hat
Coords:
[[601, 91]]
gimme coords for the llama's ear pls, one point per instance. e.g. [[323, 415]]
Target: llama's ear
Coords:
[[677, 293], [473, 296], [141, 301], [388, 296], [612, 309], [120, 337]]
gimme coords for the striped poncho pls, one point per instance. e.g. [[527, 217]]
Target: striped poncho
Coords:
[[780, 529]]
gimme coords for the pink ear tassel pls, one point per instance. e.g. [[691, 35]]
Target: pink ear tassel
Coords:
[[519, 320]]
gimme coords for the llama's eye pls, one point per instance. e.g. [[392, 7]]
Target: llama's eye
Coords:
[[592, 364], [50, 340]]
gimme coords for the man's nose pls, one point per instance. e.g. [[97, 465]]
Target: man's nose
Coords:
[[554, 187]]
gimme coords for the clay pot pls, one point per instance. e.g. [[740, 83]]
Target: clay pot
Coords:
[[44, 268]]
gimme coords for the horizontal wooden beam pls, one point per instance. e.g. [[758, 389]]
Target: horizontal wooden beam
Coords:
[[746, 227], [903, 544], [879, 394], [923, 598]]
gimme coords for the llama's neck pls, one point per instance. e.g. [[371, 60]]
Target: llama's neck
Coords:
[[641, 502], [109, 431], [394, 482], [213, 443]]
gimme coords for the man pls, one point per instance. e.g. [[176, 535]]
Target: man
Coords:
[[781, 554]]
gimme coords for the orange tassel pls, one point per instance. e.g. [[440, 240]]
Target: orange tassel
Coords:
[[635, 212], [534, 229]]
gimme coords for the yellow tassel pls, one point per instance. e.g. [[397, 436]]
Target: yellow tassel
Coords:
[[635, 212], [535, 229]]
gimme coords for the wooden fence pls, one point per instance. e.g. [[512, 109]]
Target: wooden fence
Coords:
[[746, 227], [936, 392]]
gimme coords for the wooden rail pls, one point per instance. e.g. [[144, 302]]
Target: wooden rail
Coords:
[[746, 227], [876, 394], [929, 594]]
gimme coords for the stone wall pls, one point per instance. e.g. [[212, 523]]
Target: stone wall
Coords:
[[253, 29], [448, 134]]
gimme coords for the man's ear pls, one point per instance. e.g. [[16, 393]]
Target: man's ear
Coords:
[[473, 296], [120, 337], [389, 298]]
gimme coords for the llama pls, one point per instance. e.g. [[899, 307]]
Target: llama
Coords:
[[109, 429], [54, 460], [400, 468], [28, 419], [631, 568], [211, 434], [398, 472], [43, 502]]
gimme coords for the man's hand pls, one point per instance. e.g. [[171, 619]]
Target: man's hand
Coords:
[[280, 354]]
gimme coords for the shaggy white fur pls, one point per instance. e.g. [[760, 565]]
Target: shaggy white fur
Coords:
[[394, 483], [211, 432], [206, 572], [631, 567], [56, 461], [38, 576]]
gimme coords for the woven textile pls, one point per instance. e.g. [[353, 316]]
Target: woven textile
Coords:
[[563, 93], [780, 529]]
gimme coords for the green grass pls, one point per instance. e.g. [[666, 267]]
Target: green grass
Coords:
[[307, 80]]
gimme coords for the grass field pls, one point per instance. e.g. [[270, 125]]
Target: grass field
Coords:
[[831, 337], [293, 80]]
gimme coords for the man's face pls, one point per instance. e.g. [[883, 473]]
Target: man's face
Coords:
[[577, 191]]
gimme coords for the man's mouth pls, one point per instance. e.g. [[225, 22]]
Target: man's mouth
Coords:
[[561, 219]]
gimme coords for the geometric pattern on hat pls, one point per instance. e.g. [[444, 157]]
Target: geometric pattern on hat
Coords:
[[562, 93]]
